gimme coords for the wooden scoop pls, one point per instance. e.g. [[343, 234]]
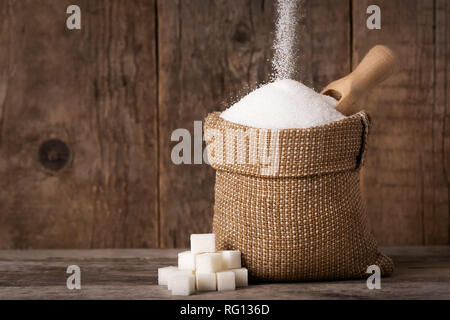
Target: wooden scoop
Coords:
[[378, 65]]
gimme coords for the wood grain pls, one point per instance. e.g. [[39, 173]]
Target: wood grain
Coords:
[[114, 92], [442, 107], [421, 273], [404, 181], [210, 54], [325, 42], [94, 89]]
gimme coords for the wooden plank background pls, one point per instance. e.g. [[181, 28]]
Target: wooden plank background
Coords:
[[115, 91], [95, 90]]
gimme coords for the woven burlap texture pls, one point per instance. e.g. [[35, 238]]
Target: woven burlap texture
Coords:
[[304, 219]]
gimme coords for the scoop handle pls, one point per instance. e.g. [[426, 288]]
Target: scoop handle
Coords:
[[378, 65]]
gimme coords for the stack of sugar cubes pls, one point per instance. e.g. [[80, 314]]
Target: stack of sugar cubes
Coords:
[[204, 269]]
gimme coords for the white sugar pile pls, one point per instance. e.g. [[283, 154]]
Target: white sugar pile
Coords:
[[283, 104]]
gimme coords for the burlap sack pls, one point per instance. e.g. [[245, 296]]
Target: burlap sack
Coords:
[[290, 200]]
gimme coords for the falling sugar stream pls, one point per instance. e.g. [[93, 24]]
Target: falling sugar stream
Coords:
[[286, 40]]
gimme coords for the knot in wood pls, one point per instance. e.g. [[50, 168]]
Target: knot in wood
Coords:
[[54, 154]]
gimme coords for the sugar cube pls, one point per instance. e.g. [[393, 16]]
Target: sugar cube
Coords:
[[209, 263], [163, 275], [231, 259], [241, 276], [182, 284], [206, 281], [226, 281], [175, 273], [201, 243], [186, 260]]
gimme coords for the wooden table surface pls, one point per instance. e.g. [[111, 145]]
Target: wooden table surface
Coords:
[[421, 273]]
